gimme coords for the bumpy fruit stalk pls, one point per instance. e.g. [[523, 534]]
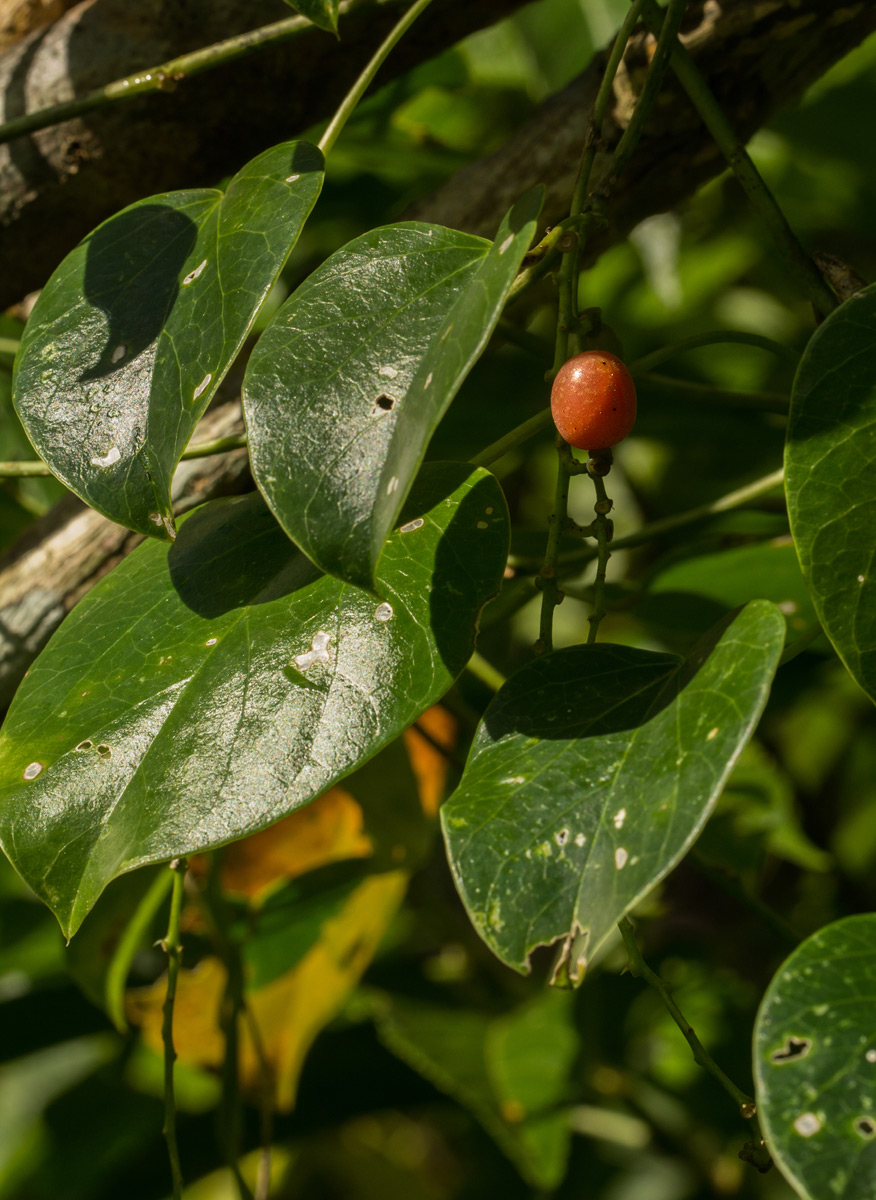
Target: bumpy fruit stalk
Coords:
[[593, 400]]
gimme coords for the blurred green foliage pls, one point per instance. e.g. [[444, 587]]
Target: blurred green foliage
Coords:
[[378, 1116]]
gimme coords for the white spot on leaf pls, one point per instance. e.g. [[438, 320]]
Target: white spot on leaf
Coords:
[[620, 858], [412, 525], [112, 456], [388, 372], [870, 1056], [428, 382], [32, 770], [202, 386], [211, 641], [383, 612], [392, 486], [506, 245], [807, 1124], [580, 839], [318, 652], [713, 733], [619, 817], [292, 178], [193, 275], [119, 353]]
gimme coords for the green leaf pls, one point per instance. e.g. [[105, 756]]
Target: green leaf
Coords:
[[510, 1072], [830, 480], [135, 330], [815, 1063], [590, 776], [202, 692], [356, 370], [323, 13]]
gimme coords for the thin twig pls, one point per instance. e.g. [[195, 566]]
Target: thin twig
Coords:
[[800, 265], [759, 1156], [366, 77], [128, 945], [714, 337], [172, 945], [478, 666], [602, 508], [232, 1006], [162, 78]]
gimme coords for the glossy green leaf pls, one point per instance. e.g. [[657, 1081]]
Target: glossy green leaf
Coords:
[[323, 13], [830, 480], [510, 1072], [815, 1063], [135, 330], [590, 776], [346, 386], [201, 692]]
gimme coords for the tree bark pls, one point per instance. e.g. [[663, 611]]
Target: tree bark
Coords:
[[757, 55], [57, 184]]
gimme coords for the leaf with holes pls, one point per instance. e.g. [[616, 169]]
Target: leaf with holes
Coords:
[[347, 384], [135, 330], [830, 480], [323, 13], [815, 1063], [202, 692], [591, 774]]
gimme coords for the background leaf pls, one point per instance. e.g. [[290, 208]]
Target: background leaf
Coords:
[[815, 1063], [135, 330], [511, 1072], [591, 774], [830, 479], [356, 370], [229, 673], [323, 13]]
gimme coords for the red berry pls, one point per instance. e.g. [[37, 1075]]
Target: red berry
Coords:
[[593, 400]]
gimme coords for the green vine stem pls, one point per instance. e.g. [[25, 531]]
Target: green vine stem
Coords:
[[522, 433], [687, 389], [801, 266], [715, 337], [172, 946], [232, 1007], [483, 670], [366, 77], [736, 499], [597, 467], [551, 596], [623, 152], [163, 78], [128, 945], [755, 1152], [35, 467], [654, 529]]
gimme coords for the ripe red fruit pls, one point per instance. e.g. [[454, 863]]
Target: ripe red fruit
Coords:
[[593, 400]]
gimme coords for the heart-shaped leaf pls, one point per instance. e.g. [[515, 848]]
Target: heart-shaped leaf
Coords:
[[356, 370], [202, 692], [830, 480], [590, 776], [323, 13], [137, 327], [815, 1063]]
